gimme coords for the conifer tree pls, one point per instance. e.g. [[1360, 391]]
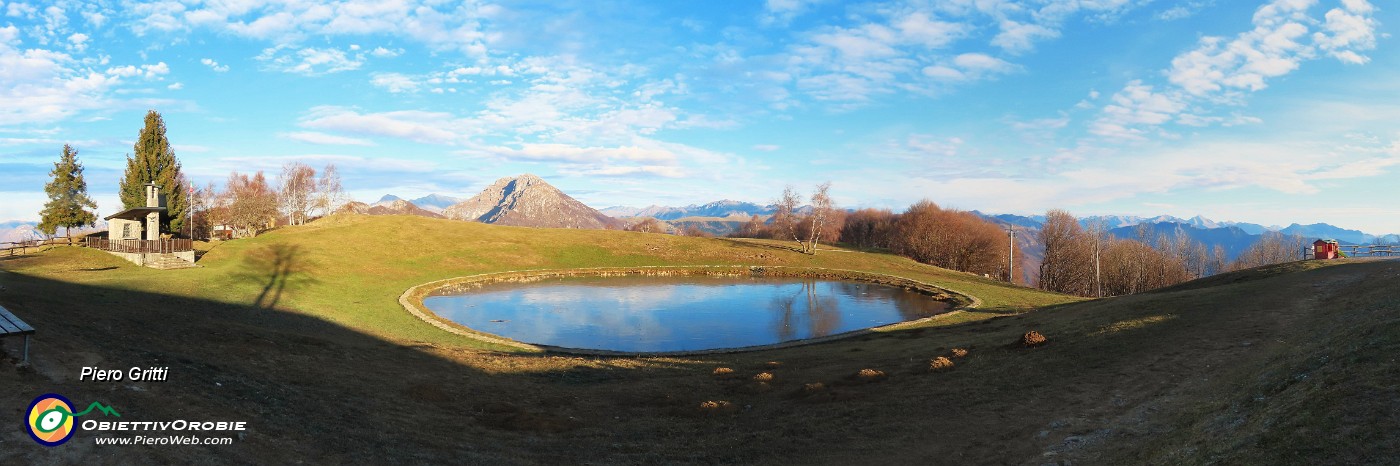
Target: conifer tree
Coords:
[[69, 203], [155, 162]]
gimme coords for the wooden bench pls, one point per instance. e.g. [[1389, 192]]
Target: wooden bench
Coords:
[[12, 326]]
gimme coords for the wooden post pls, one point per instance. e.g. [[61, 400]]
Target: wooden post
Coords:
[[1011, 258]]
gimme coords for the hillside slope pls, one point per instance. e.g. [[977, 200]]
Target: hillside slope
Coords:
[[299, 333]]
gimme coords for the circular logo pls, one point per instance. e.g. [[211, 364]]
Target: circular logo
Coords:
[[49, 420]]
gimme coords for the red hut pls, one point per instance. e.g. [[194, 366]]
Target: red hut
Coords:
[[1325, 249]]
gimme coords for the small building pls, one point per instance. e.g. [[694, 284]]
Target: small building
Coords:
[[1325, 249], [141, 223], [134, 234]]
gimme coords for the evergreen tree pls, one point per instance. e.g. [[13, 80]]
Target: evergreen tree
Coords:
[[154, 162], [68, 198]]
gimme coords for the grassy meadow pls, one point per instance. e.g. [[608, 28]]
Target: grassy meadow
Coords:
[[299, 332]]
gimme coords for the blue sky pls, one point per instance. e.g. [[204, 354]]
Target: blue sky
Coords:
[[1269, 112]]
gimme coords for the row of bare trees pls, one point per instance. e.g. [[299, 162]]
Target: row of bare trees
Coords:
[[948, 238], [1089, 262], [925, 232], [249, 204]]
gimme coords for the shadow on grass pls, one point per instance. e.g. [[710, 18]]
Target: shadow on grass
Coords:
[[307, 387], [744, 242], [276, 268]]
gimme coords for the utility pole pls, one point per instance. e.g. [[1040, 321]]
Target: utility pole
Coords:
[[1011, 257], [1098, 276]]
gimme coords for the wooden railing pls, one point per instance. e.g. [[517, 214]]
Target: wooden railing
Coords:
[[1369, 250], [139, 246], [24, 247], [1360, 250]]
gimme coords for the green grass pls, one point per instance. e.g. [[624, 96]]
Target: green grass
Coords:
[[351, 269]]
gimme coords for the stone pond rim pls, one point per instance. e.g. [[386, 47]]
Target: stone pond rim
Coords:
[[412, 300]]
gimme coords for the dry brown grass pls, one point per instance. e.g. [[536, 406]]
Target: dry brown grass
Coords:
[[763, 377], [959, 352], [870, 375], [723, 372], [940, 364], [1032, 339], [716, 407]]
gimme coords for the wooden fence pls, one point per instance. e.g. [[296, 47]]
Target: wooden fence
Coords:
[[139, 246], [17, 248], [1360, 250]]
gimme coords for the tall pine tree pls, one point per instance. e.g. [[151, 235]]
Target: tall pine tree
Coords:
[[68, 198], [154, 162]]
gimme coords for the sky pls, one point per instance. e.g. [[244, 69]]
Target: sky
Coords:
[[1270, 112]]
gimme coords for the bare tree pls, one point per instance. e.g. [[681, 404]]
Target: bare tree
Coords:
[[1068, 266], [1272, 248], [754, 228], [251, 204], [822, 211], [868, 228], [329, 194], [206, 206], [786, 220], [648, 225], [951, 239], [297, 188]]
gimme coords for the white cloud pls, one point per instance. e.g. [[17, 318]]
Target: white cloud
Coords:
[[78, 42], [395, 82], [381, 52], [575, 154], [439, 25], [1222, 70], [309, 61], [312, 137], [766, 147], [413, 125], [144, 71], [1347, 30], [1021, 37], [906, 47], [1183, 10], [782, 12], [213, 65], [40, 86], [175, 86]]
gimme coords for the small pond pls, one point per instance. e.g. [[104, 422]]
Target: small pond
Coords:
[[653, 314]]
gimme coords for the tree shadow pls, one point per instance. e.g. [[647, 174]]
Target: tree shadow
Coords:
[[276, 268], [740, 242]]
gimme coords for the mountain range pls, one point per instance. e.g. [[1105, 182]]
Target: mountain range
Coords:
[[19, 230], [717, 209]]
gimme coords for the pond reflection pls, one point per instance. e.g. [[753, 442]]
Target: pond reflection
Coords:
[[679, 313]]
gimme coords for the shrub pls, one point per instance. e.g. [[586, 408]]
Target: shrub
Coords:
[[940, 364], [959, 352], [1032, 338]]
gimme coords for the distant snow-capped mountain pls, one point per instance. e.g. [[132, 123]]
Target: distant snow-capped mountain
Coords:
[[436, 202], [724, 208]]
